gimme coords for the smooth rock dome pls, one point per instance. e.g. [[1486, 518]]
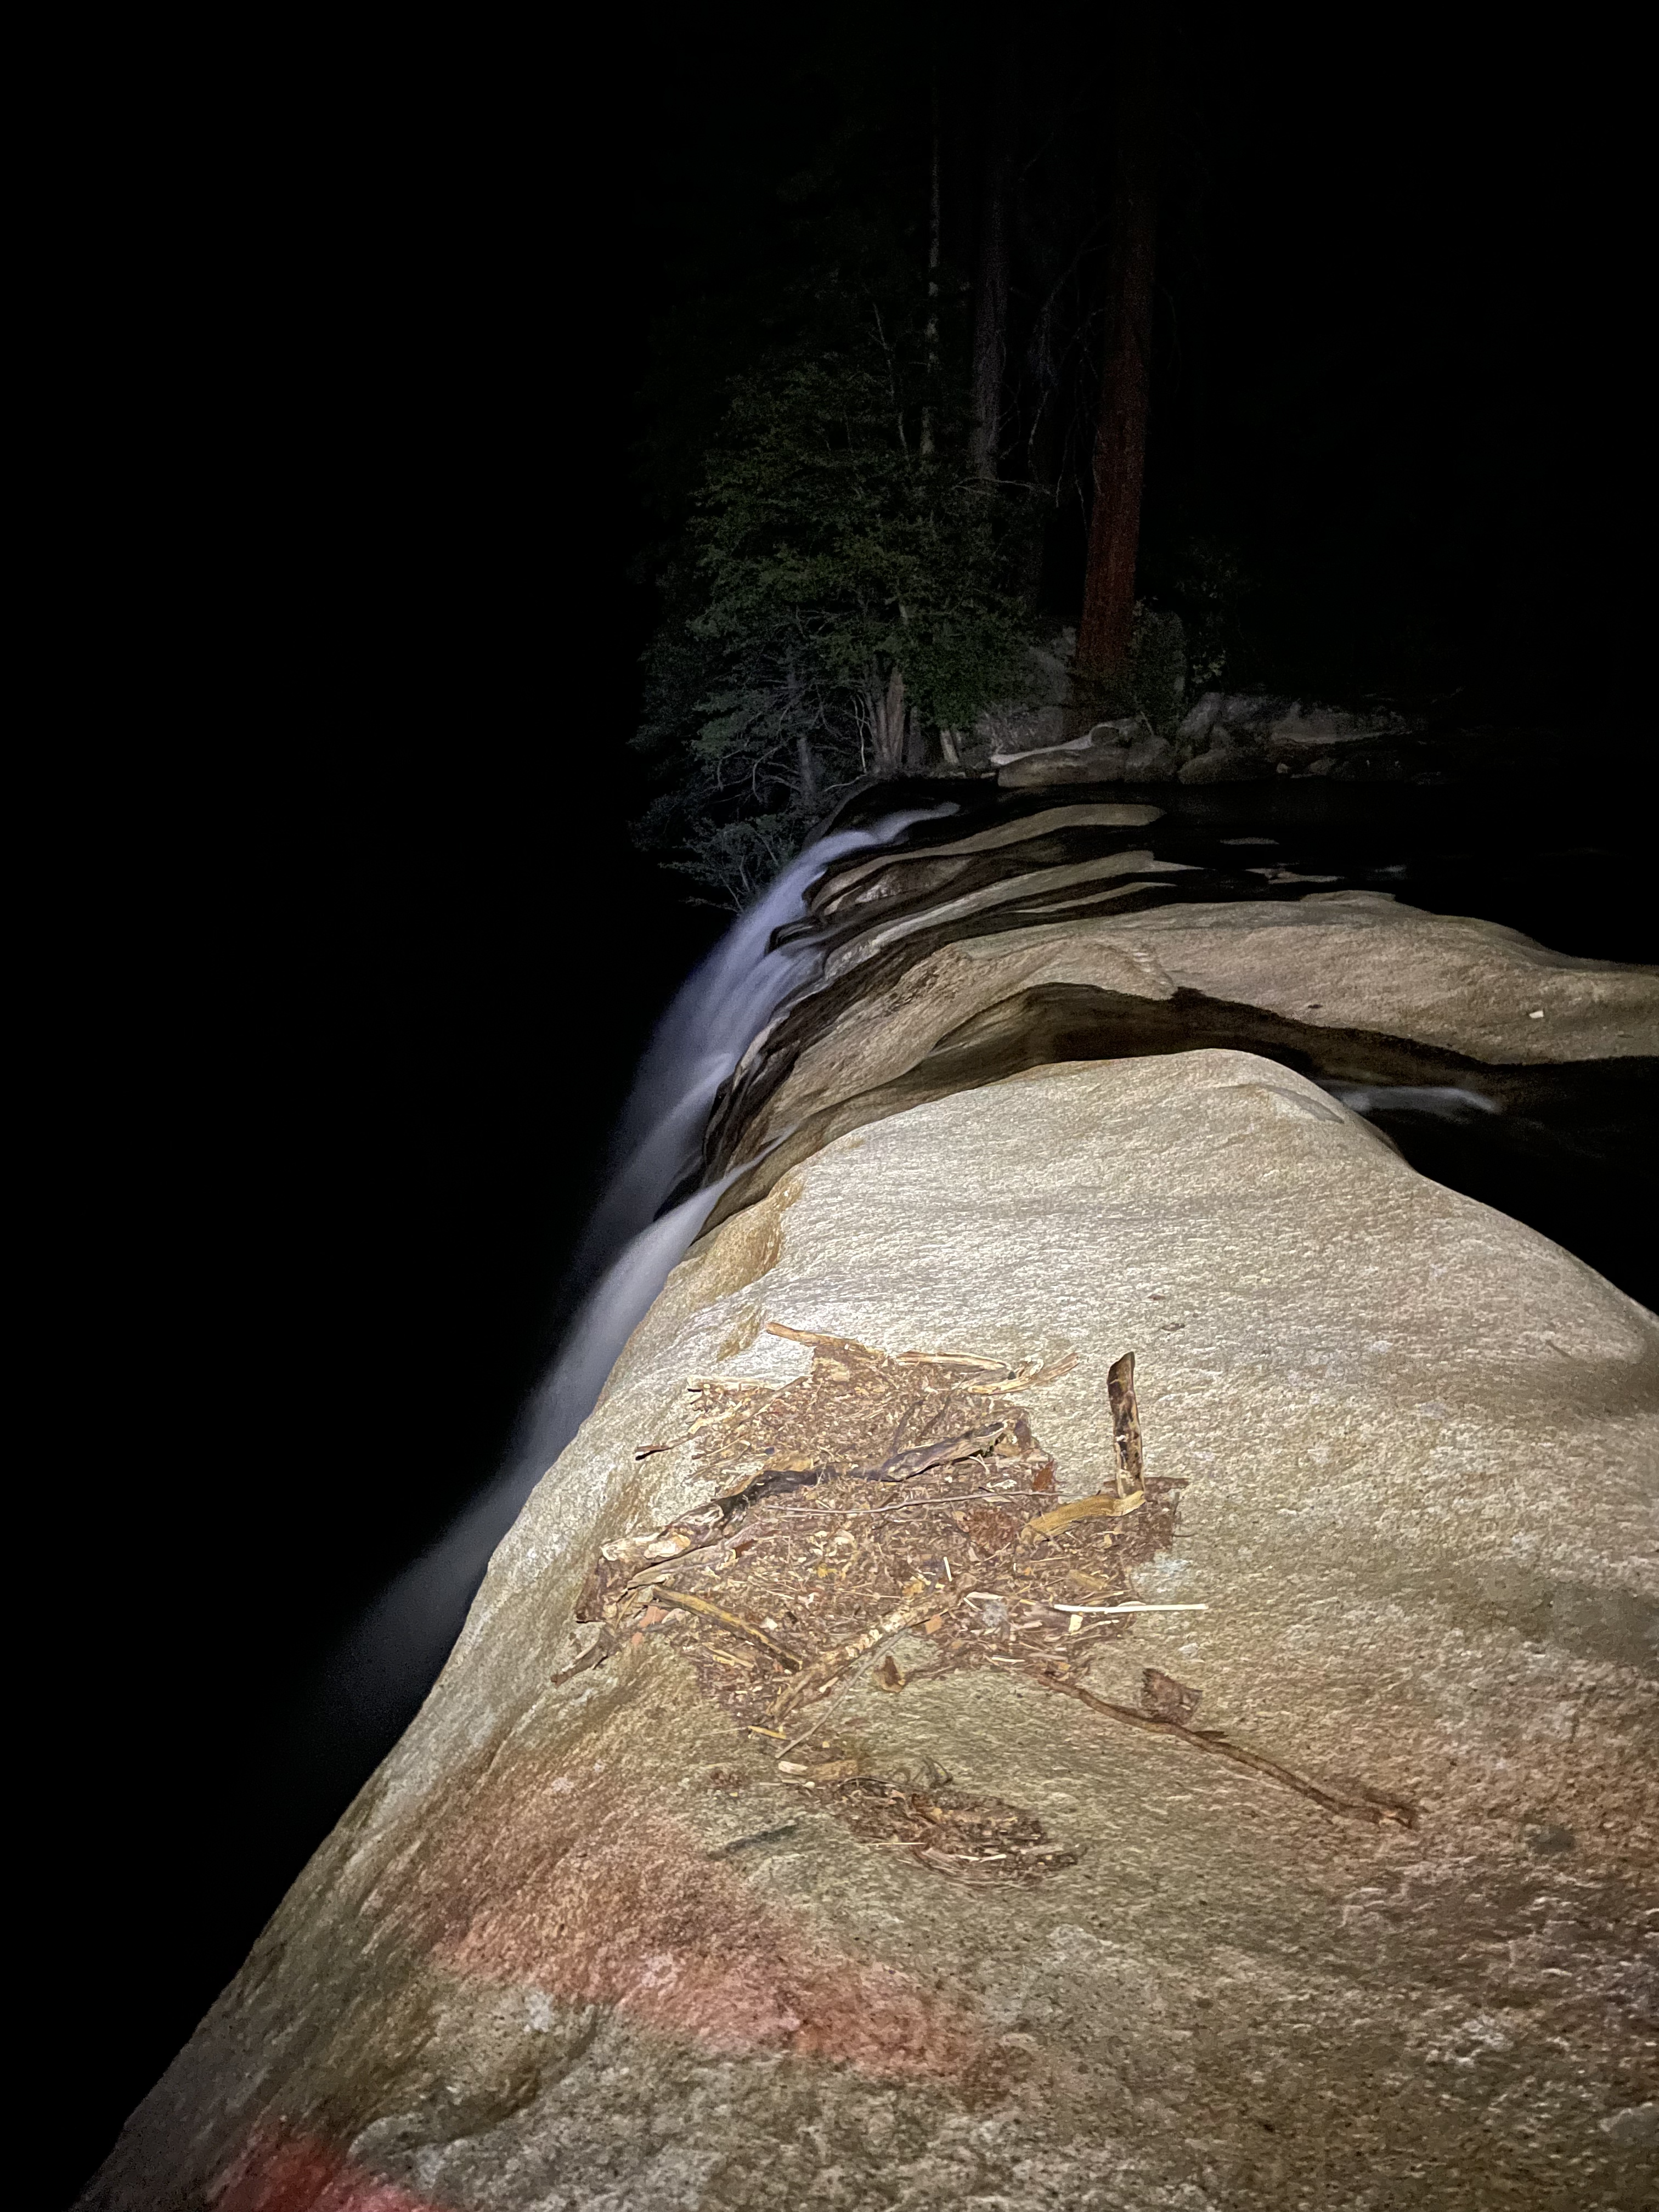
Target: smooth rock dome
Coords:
[[580, 1942]]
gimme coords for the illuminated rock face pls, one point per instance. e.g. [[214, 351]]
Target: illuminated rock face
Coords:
[[1354, 959], [1349, 986], [582, 1943]]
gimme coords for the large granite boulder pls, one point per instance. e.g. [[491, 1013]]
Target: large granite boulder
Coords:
[[1240, 739], [1231, 757], [1350, 984], [1343, 959], [1035, 716], [1325, 1889], [1235, 711], [1123, 751], [1223, 737]]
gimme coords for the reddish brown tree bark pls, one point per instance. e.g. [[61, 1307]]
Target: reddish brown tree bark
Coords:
[[1108, 590], [932, 286], [991, 303]]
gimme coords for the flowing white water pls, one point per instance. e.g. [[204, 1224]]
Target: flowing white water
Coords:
[[1445, 1102], [700, 1039], [398, 1647]]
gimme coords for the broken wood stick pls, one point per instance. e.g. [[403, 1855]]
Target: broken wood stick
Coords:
[[1125, 1420], [698, 1556], [824, 1668], [922, 1504], [796, 1335], [1036, 1378], [827, 1769], [784, 1476], [703, 1421], [1105, 1506], [665, 1595], [1379, 1812], [595, 1655], [969, 1359], [905, 1466], [1138, 1605]]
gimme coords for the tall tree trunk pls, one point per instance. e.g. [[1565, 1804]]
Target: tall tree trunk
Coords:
[[991, 300], [889, 720], [932, 286], [806, 770], [915, 744], [1108, 590]]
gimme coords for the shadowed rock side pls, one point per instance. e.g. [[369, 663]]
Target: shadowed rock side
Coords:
[[653, 1908]]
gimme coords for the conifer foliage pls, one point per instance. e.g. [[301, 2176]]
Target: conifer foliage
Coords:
[[837, 608]]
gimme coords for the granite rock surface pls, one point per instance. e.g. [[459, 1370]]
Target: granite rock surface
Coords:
[[1356, 959], [1371, 990], [582, 1943]]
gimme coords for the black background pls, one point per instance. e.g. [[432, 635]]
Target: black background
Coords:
[[347, 956]]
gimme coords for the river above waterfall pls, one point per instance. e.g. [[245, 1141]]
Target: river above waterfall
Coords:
[[1571, 869]]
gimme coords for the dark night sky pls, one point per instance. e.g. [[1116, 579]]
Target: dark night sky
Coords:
[[360, 954]]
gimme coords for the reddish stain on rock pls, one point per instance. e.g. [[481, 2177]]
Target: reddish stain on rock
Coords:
[[598, 1897], [281, 2172]]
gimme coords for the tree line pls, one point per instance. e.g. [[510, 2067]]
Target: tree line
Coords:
[[949, 347], [978, 326]]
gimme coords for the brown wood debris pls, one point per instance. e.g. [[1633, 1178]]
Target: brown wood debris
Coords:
[[903, 1465], [1375, 1805], [1126, 1421], [1106, 1506], [1165, 1698], [914, 1809], [977, 1839], [805, 1562], [665, 1595]]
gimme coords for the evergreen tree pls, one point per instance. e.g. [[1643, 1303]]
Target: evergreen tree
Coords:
[[836, 608]]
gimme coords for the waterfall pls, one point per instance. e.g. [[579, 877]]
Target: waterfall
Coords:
[[393, 1654], [700, 1039]]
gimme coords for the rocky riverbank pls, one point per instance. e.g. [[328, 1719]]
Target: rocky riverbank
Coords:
[[1226, 738], [906, 1751]]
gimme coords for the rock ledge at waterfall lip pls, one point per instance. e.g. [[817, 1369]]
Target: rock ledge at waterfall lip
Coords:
[[1349, 956], [1362, 960], [1351, 984], [580, 1940], [1126, 751], [1222, 738]]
